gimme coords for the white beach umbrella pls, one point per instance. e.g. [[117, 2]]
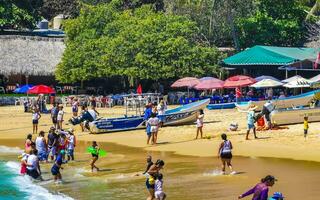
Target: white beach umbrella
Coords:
[[315, 79], [293, 78], [298, 83], [267, 83]]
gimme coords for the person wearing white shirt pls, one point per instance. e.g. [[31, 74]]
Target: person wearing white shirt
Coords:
[[60, 117], [33, 167], [158, 188]]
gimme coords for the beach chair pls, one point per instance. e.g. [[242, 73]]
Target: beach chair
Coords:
[[59, 89]]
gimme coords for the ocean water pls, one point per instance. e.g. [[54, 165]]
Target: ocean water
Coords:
[[14, 186]]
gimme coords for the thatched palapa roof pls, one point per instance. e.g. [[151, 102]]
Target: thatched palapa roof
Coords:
[[29, 55]]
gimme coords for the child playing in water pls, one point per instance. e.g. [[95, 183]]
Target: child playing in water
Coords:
[[71, 145], [200, 117], [158, 190], [35, 120], [305, 126], [24, 160], [95, 156], [55, 170]]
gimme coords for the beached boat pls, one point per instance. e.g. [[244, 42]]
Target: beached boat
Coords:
[[287, 102], [219, 106], [294, 115], [181, 115]]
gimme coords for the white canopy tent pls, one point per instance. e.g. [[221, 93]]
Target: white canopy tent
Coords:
[[298, 83]]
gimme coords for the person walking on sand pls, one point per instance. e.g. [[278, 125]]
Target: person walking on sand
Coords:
[[75, 106], [35, 120], [55, 169], [152, 173], [153, 122], [225, 153], [200, 117], [54, 115], [95, 156], [260, 191], [305, 126]]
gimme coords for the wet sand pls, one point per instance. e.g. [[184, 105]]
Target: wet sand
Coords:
[[185, 177]]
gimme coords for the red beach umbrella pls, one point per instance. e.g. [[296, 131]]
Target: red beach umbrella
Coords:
[[239, 81], [186, 82], [41, 89], [208, 84]]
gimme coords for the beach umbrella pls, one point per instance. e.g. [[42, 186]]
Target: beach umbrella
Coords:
[[293, 78], [186, 82], [315, 79], [298, 83], [23, 89], [260, 78], [208, 83], [267, 83], [239, 81], [41, 89]]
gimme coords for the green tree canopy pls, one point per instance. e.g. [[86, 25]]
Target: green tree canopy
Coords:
[[274, 23], [19, 14], [140, 43]]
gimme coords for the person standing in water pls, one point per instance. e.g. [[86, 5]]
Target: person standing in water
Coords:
[[95, 156], [149, 164], [33, 166], [200, 117], [305, 126], [41, 146], [35, 120], [55, 169], [27, 143], [225, 154], [153, 172], [158, 188], [260, 191]]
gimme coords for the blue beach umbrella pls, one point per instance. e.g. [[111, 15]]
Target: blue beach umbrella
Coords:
[[23, 89]]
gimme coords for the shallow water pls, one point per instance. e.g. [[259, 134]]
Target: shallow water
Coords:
[[185, 177]]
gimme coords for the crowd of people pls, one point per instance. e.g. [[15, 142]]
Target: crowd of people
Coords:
[[43, 149]]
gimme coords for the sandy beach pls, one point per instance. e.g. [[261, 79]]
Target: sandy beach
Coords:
[[287, 142], [189, 162]]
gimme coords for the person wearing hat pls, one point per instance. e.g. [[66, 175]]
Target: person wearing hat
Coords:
[[55, 169], [260, 191], [277, 196], [250, 121]]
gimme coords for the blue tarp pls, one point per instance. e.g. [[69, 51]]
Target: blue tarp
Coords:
[[23, 89]]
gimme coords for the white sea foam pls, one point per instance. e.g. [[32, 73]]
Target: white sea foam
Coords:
[[10, 150], [215, 172], [34, 191]]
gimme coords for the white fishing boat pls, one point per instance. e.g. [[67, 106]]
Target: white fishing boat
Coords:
[[287, 102], [294, 115]]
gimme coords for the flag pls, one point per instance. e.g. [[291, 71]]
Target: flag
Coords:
[[139, 89], [238, 92], [317, 61]]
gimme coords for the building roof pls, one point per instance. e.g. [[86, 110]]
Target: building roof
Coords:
[[270, 55], [29, 55]]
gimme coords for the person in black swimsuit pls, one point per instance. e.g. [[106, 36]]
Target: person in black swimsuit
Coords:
[[95, 156]]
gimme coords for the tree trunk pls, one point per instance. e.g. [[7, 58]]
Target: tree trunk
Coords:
[[232, 26]]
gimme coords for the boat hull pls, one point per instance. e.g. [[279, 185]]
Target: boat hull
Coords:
[[294, 116], [289, 102], [221, 106], [181, 115]]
